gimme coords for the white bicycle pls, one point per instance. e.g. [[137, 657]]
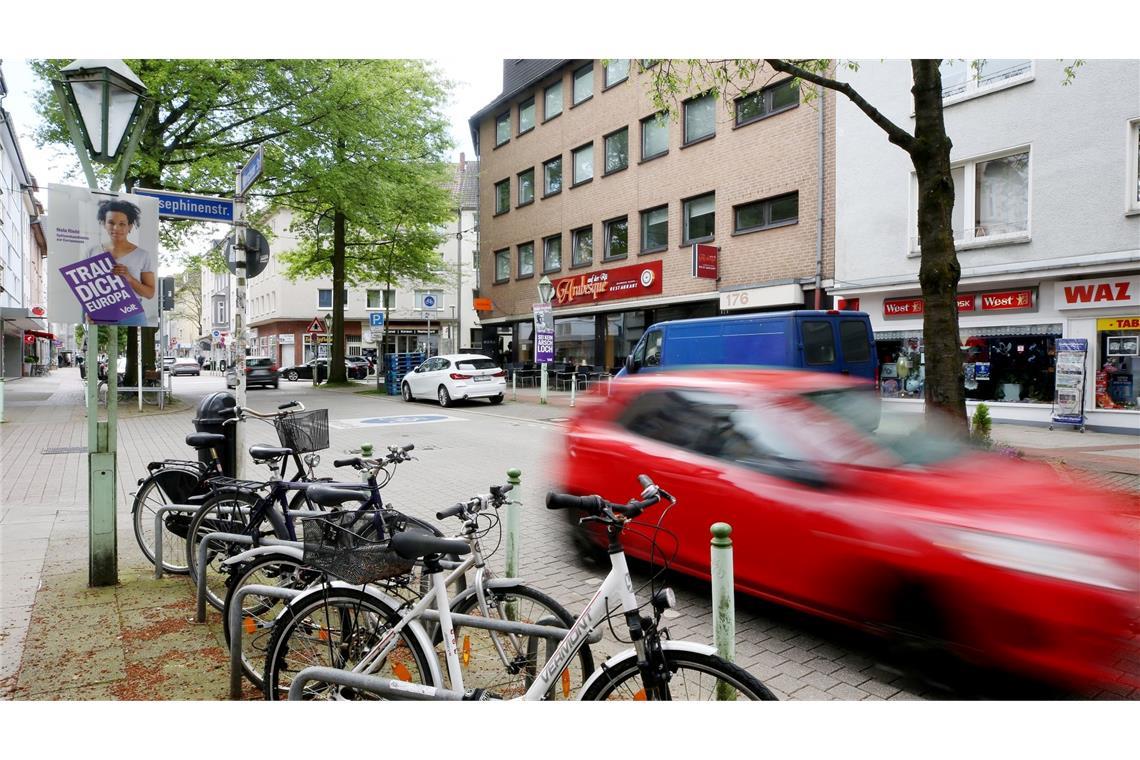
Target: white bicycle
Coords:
[[384, 641]]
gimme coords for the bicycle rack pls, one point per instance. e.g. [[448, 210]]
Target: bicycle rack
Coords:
[[158, 526], [236, 627]]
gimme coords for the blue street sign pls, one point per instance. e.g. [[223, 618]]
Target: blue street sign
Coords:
[[429, 301], [375, 319], [202, 208], [251, 171]]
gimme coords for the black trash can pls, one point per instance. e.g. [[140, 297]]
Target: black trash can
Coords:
[[213, 411]]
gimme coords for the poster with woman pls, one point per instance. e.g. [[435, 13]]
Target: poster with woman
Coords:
[[102, 257]]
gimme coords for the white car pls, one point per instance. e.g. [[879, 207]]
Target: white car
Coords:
[[455, 376]]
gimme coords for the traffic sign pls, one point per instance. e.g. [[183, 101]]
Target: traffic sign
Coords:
[[216, 334], [251, 171], [202, 208], [429, 301], [256, 253], [316, 326], [376, 319], [376, 336]]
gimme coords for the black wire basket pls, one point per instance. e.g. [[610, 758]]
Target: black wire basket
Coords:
[[338, 545], [304, 432]]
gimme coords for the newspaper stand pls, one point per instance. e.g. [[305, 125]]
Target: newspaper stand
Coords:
[[1069, 394]]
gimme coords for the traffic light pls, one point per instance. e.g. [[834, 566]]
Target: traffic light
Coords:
[[166, 293]]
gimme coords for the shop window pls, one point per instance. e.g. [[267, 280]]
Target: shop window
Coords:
[[1117, 363]]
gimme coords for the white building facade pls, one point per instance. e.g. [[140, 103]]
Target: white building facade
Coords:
[[1046, 223]]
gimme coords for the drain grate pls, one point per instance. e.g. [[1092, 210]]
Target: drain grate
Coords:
[[66, 450]]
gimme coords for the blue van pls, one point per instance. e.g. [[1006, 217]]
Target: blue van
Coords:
[[827, 341]]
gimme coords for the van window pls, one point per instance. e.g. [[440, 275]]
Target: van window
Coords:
[[653, 349], [853, 340], [819, 341]]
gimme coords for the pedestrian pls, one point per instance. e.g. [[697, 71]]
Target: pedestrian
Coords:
[[201, 361]]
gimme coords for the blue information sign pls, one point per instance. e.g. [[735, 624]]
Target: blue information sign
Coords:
[[252, 170], [375, 319], [202, 208]]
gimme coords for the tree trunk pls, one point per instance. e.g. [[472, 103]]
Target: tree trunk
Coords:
[[939, 270], [336, 351]]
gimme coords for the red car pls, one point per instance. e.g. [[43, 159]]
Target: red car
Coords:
[[844, 510]]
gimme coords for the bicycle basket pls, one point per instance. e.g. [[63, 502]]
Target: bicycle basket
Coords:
[[304, 432], [334, 544]]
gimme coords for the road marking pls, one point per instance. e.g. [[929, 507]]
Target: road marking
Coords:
[[403, 419]]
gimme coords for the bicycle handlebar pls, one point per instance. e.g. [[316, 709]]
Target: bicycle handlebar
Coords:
[[596, 506], [238, 413], [475, 504]]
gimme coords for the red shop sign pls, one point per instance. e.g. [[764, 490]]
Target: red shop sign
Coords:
[[915, 306], [1008, 300], [609, 284]]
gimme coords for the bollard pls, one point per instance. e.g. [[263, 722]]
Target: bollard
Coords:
[[724, 611], [514, 390], [573, 388], [513, 507], [366, 452]]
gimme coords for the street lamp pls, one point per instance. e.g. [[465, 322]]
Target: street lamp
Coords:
[[105, 107], [545, 294]]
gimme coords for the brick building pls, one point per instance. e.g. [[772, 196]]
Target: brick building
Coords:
[[581, 183]]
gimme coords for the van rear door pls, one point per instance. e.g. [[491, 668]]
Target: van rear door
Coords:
[[817, 336], [857, 347]]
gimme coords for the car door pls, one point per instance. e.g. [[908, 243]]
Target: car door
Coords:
[[419, 379]]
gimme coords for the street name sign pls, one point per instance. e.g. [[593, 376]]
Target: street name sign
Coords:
[[251, 171], [201, 208]]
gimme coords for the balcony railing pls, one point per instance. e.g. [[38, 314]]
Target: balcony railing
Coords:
[[987, 79]]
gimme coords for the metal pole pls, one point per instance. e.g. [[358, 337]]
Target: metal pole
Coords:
[[724, 612], [239, 320], [3, 369], [573, 387], [139, 367], [513, 507], [459, 267], [514, 390], [542, 385]]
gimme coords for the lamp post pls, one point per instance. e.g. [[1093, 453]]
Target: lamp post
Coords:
[[545, 294], [105, 107]]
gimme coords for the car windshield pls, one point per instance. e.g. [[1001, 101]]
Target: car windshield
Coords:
[[481, 363], [258, 362]]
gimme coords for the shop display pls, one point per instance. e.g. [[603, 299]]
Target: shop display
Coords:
[[1069, 401]]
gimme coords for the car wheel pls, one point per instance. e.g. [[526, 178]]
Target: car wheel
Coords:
[[497, 399], [291, 376], [444, 396], [406, 392]]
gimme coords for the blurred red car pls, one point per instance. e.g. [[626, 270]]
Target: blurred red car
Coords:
[[869, 518]]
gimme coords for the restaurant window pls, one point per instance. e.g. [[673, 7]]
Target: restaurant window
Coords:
[[583, 251], [1117, 363], [574, 340], [623, 330]]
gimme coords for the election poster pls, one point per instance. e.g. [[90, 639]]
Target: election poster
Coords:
[[543, 333], [102, 257]]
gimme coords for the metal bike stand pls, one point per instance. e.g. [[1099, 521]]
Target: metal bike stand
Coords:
[[385, 687], [236, 627], [233, 538], [158, 515]]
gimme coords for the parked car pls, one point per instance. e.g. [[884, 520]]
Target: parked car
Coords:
[[359, 366], [185, 366], [822, 341], [882, 524], [259, 371], [452, 377], [167, 363]]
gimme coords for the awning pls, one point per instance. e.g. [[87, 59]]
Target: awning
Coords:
[[40, 334]]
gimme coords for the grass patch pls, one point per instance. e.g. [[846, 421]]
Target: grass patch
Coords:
[[382, 391]]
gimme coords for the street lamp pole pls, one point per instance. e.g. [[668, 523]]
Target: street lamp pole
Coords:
[[545, 294], [105, 108]]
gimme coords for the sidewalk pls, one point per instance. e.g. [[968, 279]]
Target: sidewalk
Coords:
[[60, 639]]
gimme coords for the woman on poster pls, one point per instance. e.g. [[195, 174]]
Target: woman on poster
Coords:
[[136, 266]]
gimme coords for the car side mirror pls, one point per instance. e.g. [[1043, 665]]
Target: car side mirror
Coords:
[[631, 365]]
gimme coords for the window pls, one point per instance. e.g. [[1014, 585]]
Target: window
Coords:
[[502, 265], [700, 118], [584, 84], [771, 212], [526, 116], [654, 137], [220, 317], [961, 78], [583, 164], [502, 128], [324, 298], [583, 253], [552, 254], [1134, 167], [375, 302], [655, 229], [991, 200], [617, 150], [552, 101], [617, 238], [700, 218], [617, 71], [552, 176], [526, 261], [819, 342], [781, 96], [854, 341], [503, 196], [526, 187]]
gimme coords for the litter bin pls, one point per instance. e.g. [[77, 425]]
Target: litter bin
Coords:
[[212, 412]]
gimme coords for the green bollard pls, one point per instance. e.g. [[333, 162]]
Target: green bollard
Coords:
[[513, 507], [723, 603]]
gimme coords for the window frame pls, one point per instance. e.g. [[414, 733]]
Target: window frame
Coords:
[[574, 235], [606, 84], [973, 88], [383, 292], [561, 176], [1132, 173], [766, 93], [766, 204], [506, 253], [685, 141], [606, 171], [329, 291], [505, 115], [546, 115], [664, 126], [533, 116], [519, 186], [507, 206], [606, 226], [574, 181], [574, 102], [547, 269], [685, 239], [644, 228], [519, 259]]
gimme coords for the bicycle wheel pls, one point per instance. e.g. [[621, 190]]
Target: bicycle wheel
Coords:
[[259, 612], [693, 677], [221, 513], [511, 673], [163, 488], [336, 628]]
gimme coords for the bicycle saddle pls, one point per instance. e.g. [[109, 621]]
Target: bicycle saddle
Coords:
[[205, 440], [265, 453], [334, 496], [411, 545]]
